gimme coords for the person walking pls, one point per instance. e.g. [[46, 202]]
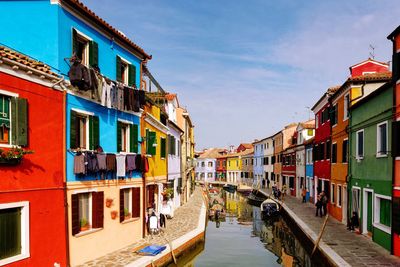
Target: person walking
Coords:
[[268, 181], [303, 194], [284, 188], [318, 206], [324, 201]]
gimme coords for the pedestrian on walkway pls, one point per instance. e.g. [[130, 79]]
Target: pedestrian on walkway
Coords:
[[263, 183], [319, 206], [284, 188], [324, 200], [303, 194], [268, 181]]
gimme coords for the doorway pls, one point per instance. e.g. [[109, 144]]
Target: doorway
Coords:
[[367, 212]]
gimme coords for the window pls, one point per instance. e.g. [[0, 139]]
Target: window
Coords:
[[14, 232], [345, 149], [151, 142], [85, 49], [13, 120], [87, 211], [328, 150], [310, 132], [127, 137], [84, 131], [172, 143], [332, 193], [360, 144], [126, 72], [334, 153], [163, 147], [210, 164], [346, 107], [339, 196], [129, 206], [209, 175], [316, 121], [382, 139], [383, 212], [334, 115]]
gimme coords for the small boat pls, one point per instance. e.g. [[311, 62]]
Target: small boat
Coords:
[[217, 211], [255, 198], [230, 188], [245, 190], [269, 208]]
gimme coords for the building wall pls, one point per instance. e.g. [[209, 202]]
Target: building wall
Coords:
[[174, 164], [300, 169], [278, 147], [39, 178], [258, 166], [372, 172], [114, 235], [309, 167], [289, 171], [269, 153]]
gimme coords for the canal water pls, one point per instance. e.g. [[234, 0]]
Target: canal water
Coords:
[[244, 239]]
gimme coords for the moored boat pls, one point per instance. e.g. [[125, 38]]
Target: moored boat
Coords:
[[269, 208], [255, 198]]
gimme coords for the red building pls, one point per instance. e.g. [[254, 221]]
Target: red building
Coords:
[[221, 168], [322, 143], [395, 38], [32, 199], [289, 169]]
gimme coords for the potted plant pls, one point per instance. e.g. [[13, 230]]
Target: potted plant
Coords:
[[109, 202], [84, 224], [13, 156], [114, 214], [127, 214]]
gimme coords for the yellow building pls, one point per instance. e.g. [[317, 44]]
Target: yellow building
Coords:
[[154, 136], [233, 167]]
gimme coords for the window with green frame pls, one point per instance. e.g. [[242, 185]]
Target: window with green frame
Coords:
[[385, 212], [151, 142], [163, 147]]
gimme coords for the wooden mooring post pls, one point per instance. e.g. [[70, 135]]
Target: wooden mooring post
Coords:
[[320, 235]]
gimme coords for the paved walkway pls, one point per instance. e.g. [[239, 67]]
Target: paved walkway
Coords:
[[185, 220], [355, 249]]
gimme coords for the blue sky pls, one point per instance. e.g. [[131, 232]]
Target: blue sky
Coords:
[[244, 69]]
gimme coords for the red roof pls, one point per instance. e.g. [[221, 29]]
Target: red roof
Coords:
[[78, 5]]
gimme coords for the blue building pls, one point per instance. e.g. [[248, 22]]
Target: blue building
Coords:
[[258, 164], [66, 33], [310, 171]]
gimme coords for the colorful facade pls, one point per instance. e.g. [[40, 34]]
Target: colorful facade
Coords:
[[395, 38], [310, 171], [233, 168], [32, 193], [247, 175], [221, 168], [289, 169], [258, 165], [371, 170]]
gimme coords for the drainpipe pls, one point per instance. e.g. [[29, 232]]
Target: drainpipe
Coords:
[[143, 176], [68, 260]]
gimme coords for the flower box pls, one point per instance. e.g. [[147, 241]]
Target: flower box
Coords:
[[10, 162]]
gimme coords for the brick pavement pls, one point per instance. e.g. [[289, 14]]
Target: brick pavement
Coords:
[[355, 249], [185, 220]]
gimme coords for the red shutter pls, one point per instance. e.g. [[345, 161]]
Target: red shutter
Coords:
[[135, 202], [75, 214], [97, 209], [121, 206]]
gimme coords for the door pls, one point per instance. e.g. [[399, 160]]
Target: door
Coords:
[[369, 213], [344, 205]]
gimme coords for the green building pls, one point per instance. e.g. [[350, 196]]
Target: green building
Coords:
[[370, 165]]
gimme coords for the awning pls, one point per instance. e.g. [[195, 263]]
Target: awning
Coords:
[[4, 111]]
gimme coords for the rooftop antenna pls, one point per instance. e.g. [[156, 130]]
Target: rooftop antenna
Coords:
[[372, 53]]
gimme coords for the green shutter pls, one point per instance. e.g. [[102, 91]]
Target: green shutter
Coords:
[[119, 66], [132, 75], [152, 143], [93, 132], [74, 41], [163, 148], [147, 142], [93, 54], [119, 141], [72, 131], [134, 138], [19, 121]]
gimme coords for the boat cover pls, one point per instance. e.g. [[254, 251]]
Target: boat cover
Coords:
[[151, 250]]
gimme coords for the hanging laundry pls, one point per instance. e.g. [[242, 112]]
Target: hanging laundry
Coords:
[[101, 160], [114, 96], [92, 163], [111, 162], [79, 164], [145, 164], [136, 101], [138, 163], [79, 76], [130, 163], [106, 93], [142, 98], [121, 165], [120, 97]]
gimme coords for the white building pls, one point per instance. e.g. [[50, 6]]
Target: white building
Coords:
[[305, 131], [206, 164], [268, 160]]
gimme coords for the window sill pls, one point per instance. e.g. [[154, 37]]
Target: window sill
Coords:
[[383, 228], [8, 145], [88, 232], [130, 220], [381, 155], [14, 258], [359, 159]]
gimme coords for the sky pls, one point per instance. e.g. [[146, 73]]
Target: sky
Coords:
[[245, 69]]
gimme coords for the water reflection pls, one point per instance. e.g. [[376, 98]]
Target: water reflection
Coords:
[[242, 238]]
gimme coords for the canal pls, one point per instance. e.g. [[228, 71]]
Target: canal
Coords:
[[244, 239]]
